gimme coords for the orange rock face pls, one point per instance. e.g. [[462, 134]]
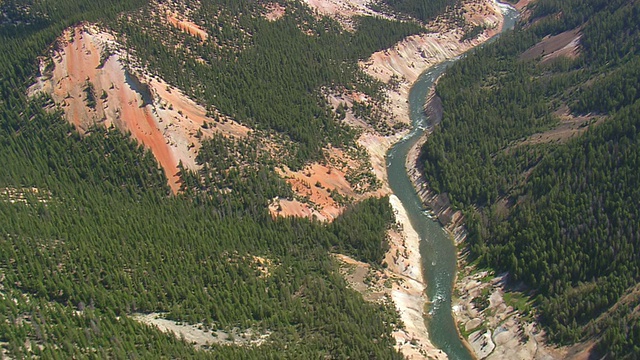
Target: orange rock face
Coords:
[[187, 26], [164, 120]]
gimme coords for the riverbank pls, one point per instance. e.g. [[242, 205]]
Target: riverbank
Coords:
[[438, 204], [401, 282], [492, 317], [400, 67], [404, 63]]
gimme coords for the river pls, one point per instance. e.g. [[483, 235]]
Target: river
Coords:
[[436, 246]]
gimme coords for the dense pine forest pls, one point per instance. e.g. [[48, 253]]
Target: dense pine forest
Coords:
[[554, 205], [90, 234]]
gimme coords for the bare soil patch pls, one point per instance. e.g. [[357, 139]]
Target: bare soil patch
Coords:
[[188, 27], [201, 337], [570, 126], [315, 184], [183, 24], [522, 4], [163, 119], [343, 10], [324, 189], [565, 44], [289, 207], [274, 12]]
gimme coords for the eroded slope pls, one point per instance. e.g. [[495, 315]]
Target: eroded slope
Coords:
[[91, 81]]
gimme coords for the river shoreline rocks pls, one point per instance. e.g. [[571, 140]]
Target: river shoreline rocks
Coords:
[[438, 205], [406, 61], [494, 318]]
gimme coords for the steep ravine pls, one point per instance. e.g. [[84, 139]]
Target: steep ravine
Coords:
[[500, 331], [439, 253]]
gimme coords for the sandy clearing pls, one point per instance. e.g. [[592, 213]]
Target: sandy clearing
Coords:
[[80, 54], [139, 121], [195, 335], [406, 262], [286, 207], [570, 51], [347, 99], [341, 7], [343, 10], [164, 120], [506, 333], [316, 184], [275, 11], [324, 177], [409, 297], [182, 119], [377, 147]]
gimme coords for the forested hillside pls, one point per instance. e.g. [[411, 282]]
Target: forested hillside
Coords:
[[539, 147], [90, 235], [262, 73]]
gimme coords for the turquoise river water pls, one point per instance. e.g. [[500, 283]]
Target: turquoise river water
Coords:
[[436, 246]]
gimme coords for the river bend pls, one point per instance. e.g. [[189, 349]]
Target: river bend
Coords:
[[436, 247]]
